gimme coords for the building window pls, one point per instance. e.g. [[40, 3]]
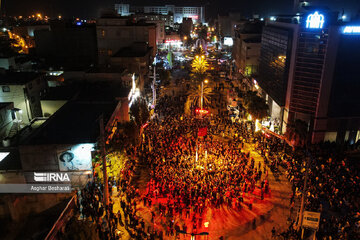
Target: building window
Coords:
[[5, 88], [102, 32]]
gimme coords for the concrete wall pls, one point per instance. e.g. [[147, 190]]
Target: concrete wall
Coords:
[[17, 96], [49, 107], [5, 121], [7, 63], [20, 206], [39, 158], [112, 35]]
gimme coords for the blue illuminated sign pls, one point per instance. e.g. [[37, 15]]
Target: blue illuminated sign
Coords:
[[315, 20], [79, 23], [351, 30]]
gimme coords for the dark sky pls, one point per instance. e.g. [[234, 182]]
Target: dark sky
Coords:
[[90, 8]]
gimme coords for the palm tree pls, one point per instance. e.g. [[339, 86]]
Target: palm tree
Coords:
[[194, 95], [199, 51]]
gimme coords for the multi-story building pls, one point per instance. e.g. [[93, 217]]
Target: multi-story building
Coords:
[[23, 89], [246, 48], [179, 12], [250, 53], [67, 44], [307, 74], [276, 49], [167, 19], [116, 33]]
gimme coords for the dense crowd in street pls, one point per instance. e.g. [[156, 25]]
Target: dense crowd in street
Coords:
[[108, 223], [192, 174], [332, 187]]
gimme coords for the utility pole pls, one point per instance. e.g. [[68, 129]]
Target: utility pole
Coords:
[[154, 88], [202, 94], [103, 156]]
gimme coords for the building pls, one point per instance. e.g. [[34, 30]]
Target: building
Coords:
[[24, 89], [149, 17], [186, 27], [250, 53], [277, 44], [228, 23], [137, 59], [115, 33], [246, 48], [66, 44], [307, 71], [7, 115], [179, 12]]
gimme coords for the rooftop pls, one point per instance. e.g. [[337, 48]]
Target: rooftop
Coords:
[[253, 40], [102, 92], [11, 161], [18, 78], [132, 52], [60, 93], [75, 122]]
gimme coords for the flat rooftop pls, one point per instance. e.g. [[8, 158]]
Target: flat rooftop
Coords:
[[18, 78], [132, 52], [75, 122], [10, 159], [60, 93]]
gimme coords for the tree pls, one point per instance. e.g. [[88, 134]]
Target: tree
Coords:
[[255, 105], [194, 95], [297, 132], [199, 69], [199, 51]]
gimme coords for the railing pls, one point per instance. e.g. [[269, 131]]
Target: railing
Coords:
[[62, 220]]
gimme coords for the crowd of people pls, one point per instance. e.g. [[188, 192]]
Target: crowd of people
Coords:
[[190, 174], [110, 224], [333, 183]]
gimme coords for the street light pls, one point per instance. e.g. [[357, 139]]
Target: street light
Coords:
[[202, 92]]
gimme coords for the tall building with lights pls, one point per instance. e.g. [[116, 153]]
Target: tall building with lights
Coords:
[[308, 72], [179, 12]]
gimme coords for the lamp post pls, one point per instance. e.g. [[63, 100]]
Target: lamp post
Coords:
[[202, 93]]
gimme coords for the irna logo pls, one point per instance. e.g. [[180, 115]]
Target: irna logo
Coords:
[[51, 177]]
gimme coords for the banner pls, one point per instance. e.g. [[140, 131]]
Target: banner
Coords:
[[202, 132]]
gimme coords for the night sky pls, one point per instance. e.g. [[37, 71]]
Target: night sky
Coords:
[[90, 8]]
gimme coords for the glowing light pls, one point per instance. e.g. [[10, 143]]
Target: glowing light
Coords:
[[272, 18], [201, 111], [171, 41], [3, 155], [351, 30], [228, 41], [206, 81], [134, 92], [315, 20]]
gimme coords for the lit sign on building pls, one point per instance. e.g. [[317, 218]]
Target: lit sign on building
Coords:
[[351, 30], [315, 20], [171, 41], [228, 41], [196, 17]]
